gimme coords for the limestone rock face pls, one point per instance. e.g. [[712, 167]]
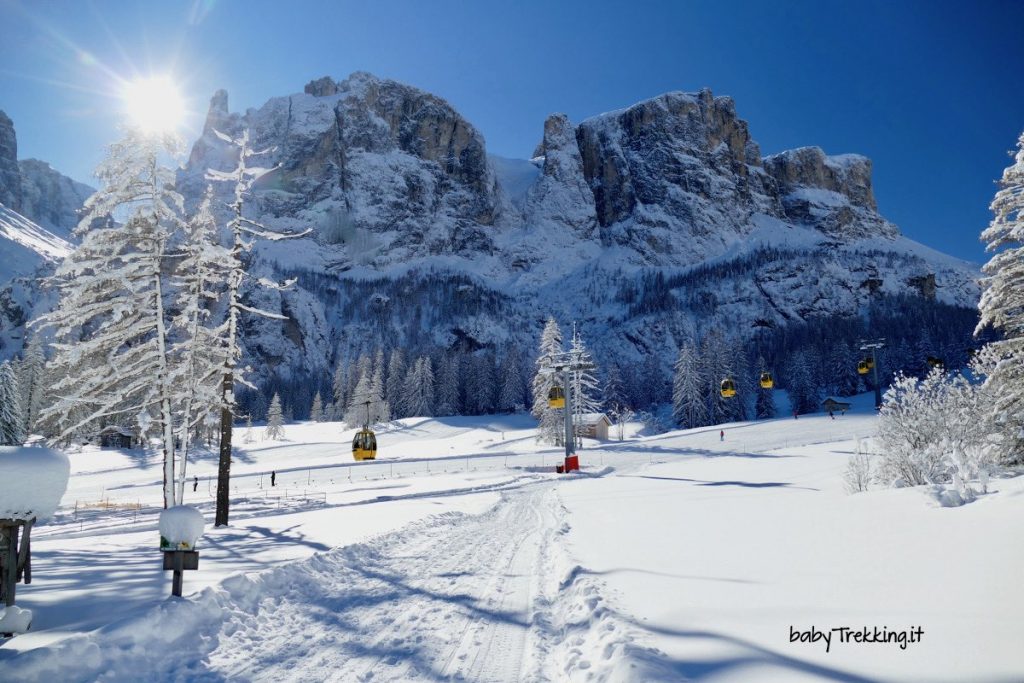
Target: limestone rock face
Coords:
[[831, 193], [847, 174], [50, 198], [675, 176], [562, 195], [386, 169], [10, 175]]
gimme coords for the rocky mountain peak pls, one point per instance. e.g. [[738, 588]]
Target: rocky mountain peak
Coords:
[[10, 176], [847, 174]]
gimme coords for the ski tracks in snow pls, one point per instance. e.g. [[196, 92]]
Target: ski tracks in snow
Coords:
[[456, 597]]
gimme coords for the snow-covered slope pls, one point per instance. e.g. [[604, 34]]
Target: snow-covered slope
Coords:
[[27, 253], [25, 245]]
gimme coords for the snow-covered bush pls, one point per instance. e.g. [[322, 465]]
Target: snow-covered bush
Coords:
[[858, 473], [934, 430]]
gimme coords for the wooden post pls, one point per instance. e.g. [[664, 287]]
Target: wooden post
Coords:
[[12, 563], [178, 570]]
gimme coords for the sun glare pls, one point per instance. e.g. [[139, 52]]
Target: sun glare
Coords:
[[154, 104]]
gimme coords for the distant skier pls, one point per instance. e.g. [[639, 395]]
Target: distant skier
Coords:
[[795, 414], [721, 435], [273, 478], [831, 415], [195, 484]]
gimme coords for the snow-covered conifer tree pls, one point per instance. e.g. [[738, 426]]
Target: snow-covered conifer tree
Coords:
[[12, 421], [316, 411], [339, 388], [110, 325], [512, 389], [1002, 302], [585, 387], [689, 387], [551, 426], [32, 382], [446, 395], [275, 419], [764, 405], [481, 383], [199, 353], [394, 386], [418, 394], [243, 176]]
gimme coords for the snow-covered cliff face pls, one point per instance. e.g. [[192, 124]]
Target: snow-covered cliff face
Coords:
[[420, 238], [50, 198], [35, 190], [10, 175]]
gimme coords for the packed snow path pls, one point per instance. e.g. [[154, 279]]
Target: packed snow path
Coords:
[[449, 598], [453, 597]]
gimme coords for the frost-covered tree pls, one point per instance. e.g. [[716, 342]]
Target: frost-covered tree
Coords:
[[689, 388], [316, 411], [198, 354], [446, 394], [551, 426], [12, 421], [480, 383], [513, 389], [394, 386], [366, 402], [936, 428], [764, 404], [32, 382], [804, 396], [243, 231], [418, 391], [613, 391], [275, 419], [339, 388], [1002, 302], [586, 389], [110, 324]]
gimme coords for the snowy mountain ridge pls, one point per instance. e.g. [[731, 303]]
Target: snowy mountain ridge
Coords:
[[400, 192]]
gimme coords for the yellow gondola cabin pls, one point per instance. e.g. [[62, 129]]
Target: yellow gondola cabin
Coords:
[[364, 445], [556, 398], [728, 388], [862, 367], [766, 380]]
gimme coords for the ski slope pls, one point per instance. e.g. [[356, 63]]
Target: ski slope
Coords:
[[461, 556]]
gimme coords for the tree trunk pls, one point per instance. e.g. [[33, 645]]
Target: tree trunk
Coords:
[[224, 465]]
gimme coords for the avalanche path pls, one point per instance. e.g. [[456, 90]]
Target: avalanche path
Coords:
[[455, 597]]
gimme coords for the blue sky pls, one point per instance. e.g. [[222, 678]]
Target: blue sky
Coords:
[[931, 91]]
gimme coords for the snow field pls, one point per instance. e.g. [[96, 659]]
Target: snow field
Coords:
[[670, 557]]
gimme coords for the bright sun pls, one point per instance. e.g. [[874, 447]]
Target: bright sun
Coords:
[[154, 104]]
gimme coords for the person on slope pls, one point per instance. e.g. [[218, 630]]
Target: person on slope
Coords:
[[721, 435]]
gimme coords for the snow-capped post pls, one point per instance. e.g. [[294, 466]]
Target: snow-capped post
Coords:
[[243, 176], [180, 528], [32, 482]]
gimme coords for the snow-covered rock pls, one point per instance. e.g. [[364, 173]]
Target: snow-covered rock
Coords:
[[181, 526], [32, 482]]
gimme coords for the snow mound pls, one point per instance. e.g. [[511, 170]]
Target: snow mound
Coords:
[[32, 482], [14, 619], [181, 526]]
